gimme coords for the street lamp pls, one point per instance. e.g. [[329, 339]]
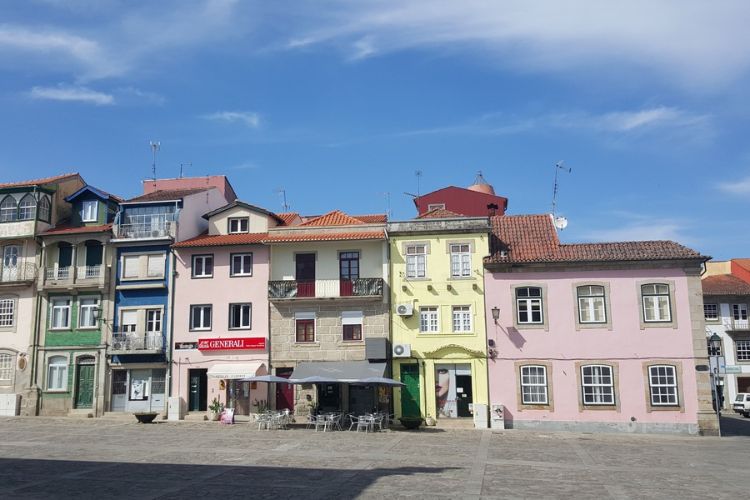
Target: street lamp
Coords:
[[715, 361], [496, 313]]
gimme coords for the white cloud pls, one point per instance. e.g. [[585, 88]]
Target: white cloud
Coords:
[[741, 187], [248, 118], [69, 93]]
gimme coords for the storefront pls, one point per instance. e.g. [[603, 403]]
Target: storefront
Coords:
[[138, 389]]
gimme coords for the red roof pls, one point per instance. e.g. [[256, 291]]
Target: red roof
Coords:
[[724, 284], [218, 240], [35, 182], [167, 194], [438, 213], [372, 218], [533, 238], [333, 218], [305, 236], [66, 229], [288, 217]]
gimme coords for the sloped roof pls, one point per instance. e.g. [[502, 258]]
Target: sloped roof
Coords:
[[217, 240], [65, 228], [743, 263], [36, 182], [288, 217], [167, 194], [98, 192], [724, 284], [438, 213], [337, 236], [533, 238], [242, 204], [333, 218], [372, 218]]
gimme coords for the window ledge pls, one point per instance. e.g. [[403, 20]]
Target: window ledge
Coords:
[[306, 344]]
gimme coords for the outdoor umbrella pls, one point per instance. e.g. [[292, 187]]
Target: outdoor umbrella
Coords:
[[268, 379], [379, 381], [317, 380]]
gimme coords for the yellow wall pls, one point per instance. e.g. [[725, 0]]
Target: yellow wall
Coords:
[[258, 223], [443, 346]]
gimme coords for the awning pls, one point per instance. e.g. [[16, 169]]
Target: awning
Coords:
[[235, 370], [342, 371]]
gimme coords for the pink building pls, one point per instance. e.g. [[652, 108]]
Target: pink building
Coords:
[[221, 311], [595, 337]]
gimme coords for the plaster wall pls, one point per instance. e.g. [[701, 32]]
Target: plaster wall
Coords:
[[371, 259], [258, 223]]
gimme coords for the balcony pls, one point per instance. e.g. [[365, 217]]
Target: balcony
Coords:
[[131, 343], [146, 227], [19, 273], [739, 325], [325, 289], [74, 275]]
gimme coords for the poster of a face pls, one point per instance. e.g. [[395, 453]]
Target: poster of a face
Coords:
[[137, 389], [445, 391]]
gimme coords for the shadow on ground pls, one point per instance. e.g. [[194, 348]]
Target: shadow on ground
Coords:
[[732, 425]]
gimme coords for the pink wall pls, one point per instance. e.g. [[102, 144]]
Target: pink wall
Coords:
[[220, 291], [563, 345]]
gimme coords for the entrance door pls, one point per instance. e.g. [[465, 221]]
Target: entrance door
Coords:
[[410, 393], [284, 392], [198, 389], [361, 399], [85, 383], [348, 272], [119, 390], [329, 397], [305, 274], [464, 396]]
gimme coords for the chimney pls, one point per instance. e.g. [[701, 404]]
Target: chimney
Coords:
[[492, 209]]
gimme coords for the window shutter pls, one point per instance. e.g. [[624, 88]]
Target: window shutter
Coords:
[[130, 266], [155, 265]]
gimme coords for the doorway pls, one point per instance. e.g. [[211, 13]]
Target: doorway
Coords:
[[284, 392], [410, 393], [329, 397], [85, 383], [305, 274], [198, 378], [453, 390]]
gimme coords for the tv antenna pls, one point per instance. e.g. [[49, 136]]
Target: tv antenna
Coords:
[[387, 196], [155, 147], [559, 222], [418, 174], [284, 204]]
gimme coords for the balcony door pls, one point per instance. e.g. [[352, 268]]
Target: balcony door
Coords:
[[348, 272], [64, 255], [10, 262], [305, 274]]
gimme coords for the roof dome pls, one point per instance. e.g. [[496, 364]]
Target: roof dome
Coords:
[[481, 186]]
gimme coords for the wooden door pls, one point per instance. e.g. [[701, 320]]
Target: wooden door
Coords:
[[305, 274], [85, 386], [284, 392], [410, 393]]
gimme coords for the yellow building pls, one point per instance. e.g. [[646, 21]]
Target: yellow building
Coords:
[[437, 317]]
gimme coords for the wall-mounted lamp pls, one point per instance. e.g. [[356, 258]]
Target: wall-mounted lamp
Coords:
[[404, 288], [429, 287], [475, 287], [98, 315], [450, 287], [496, 313]]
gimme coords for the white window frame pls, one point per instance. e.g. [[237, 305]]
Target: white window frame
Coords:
[[142, 265], [121, 322], [529, 388], [434, 206], [739, 312], [44, 209], [53, 308], [57, 374], [203, 259], [742, 349], [242, 257], [655, 298], [528, 303], [7, 312], [246, 319], [429, 319], [8, 213], [595, 390], [416, 261], [89, 211], [462, 317], [587, 302], [157, 321], [711, 316], [93, 307], [203, 308], [239, 222], [7, 368], [460, 260], [655, 388], [23, 206]]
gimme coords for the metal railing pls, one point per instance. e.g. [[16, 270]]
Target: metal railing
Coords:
[[131, 342], [290, 289], [740, 324], [70, 274], [17, 273], [146, 226]]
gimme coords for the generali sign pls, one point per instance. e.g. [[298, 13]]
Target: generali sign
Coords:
[[234, 344]]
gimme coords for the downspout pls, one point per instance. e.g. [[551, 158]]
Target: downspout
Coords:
[[37, 312], [168, 347]]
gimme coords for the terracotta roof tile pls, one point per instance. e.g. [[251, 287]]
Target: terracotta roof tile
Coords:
[[533, 238], [743, 263], [288, 217], [167, 194], [35, 182], [438, 213], [218, 240], [333, 218], [372, 218], [67, 229], [724, 284], [304, 236]]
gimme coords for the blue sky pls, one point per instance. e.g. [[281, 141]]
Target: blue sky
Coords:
[[340, 102]]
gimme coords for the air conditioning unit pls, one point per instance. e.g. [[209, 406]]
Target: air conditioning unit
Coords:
[[405, 309], [402, 350]]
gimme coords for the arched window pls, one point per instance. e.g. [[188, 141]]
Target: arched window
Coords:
[[8, 209], [44, 209], [57, 373], [27, 208]]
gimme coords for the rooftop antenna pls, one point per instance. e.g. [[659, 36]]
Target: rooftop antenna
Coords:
[[155, 147], [387, 196], [418, 173], [559, 222], [189, 164], [284, 205]]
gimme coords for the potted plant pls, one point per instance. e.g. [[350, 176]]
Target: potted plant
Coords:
[[145, 417], [411, 422], [216, 407], [261, 405]]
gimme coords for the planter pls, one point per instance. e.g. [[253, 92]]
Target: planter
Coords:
[[146, 417], [411, 422], [215, 416]]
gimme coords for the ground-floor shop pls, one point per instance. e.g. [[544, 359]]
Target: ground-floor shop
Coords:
[[72, 380], [138, 388]]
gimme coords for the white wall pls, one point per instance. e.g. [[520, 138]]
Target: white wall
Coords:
[[259, 223], [191, 222]]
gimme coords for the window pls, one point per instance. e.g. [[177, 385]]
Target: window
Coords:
[[428, 319], [10, 256], [6, 367], [200, 317], [739, 312], [8, 209], [57, 373], [597, 385], [460, 261], [203, 266], [711, 312], [130, 266], [129, 321], [534, 385], [656, 307], [7, 312], [89, 210], [352, 325], [662, 381], [153, 321], [305, 330], [591, 307], [155, 267], [87, 307], [743, 349], [239, 225], [242, 264], [44, 209], [349, 265], [529, 305], [433, 206], [462, 319], [27, 208], [60, 314], [240, 316], [416, 263]]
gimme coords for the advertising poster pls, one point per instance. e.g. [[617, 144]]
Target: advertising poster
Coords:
[[445, 391]]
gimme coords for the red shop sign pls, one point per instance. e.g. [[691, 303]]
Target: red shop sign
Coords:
[[233, 344]]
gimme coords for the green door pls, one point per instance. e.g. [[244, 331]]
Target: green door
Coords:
[[410, 393], [85, 386]]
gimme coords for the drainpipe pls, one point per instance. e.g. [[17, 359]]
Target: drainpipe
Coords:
[[424, 387], [168, 347], [37, 324]]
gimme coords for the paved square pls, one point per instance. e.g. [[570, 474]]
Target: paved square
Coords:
[[57, 458]]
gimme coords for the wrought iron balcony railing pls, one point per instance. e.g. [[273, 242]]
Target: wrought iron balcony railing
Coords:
[[292, 289], [133, 343]]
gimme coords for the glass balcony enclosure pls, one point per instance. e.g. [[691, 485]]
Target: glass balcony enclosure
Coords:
[[146, 222]]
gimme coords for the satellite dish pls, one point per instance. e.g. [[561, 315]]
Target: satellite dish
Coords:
[[561, 223]]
